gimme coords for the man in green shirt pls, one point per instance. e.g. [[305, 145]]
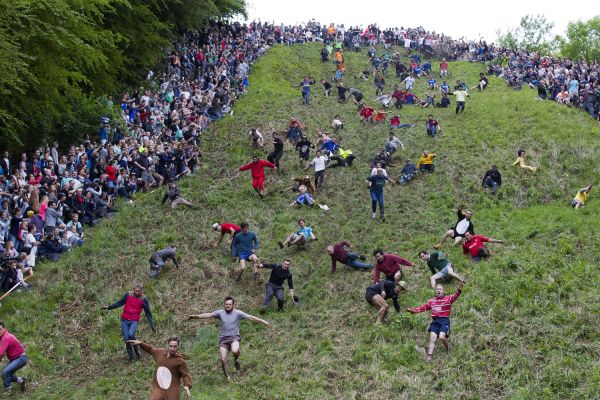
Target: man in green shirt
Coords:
[[439, 265]]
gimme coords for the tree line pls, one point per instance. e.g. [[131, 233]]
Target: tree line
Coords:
[[62, 59]]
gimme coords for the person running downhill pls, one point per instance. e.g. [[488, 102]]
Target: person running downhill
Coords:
[[339, 253], [15, 352], [171, 370], [257, 169], [441, 308], [134, 303], [376, 183], [243, 248], [279, 274], [377, 297], [229, 337], [439, 265]]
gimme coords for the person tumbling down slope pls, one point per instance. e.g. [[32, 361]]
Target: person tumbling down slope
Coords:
[[339, 253], [441, 308]]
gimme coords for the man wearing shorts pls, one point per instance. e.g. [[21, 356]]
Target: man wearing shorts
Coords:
[[300, 237], [463, 225], [441, 308], [229, 336], [243, 248], [376, 296], [439, 265]]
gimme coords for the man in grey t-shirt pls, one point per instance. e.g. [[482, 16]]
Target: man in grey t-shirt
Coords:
[[229, 337]]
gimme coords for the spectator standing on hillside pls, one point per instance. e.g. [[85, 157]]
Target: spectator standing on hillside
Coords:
[[390, 265], [257, 170], [492, 179], [279, 274], [243, 248], [463, 225], [338, 252], [134, 303], [439, 266], [521, 161], [15, 352], [376, 296], [171, 370], [226, 228], [229, 336], [158, 259], [441, 308], [475, 247], [581, 196]]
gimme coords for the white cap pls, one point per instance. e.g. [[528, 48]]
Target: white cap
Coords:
[[216, 226]]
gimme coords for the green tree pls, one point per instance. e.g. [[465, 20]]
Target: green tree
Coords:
[[583, 40], [534, 33]]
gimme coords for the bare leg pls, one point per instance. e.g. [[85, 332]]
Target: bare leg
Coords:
[[235, 350], [224, 352], [433, 280], [241, 270], [455, 276], [447, 235], [432, 338], [444, 340], [457, 240], [379, 303]]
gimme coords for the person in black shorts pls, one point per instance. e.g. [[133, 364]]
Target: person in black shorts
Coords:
[[377, 294], [277, 152], [457, 232], [303, 148]]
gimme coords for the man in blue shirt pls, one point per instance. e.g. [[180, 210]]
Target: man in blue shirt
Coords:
[[243, 248], [300, 237]]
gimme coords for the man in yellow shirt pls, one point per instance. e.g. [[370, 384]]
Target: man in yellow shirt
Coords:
[[581, 196], [425, 163]]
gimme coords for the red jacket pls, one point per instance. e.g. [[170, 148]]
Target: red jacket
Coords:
[[257, 169], [440, 307], [389, 266], [10, 345]]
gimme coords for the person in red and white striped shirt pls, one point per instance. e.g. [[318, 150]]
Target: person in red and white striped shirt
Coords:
[[441, 308]]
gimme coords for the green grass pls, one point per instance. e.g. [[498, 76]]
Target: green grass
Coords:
[[526, 326]]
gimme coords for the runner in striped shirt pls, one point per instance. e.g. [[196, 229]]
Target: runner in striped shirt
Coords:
[[441, 308]]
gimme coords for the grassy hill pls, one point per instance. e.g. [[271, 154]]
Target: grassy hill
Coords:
[[526, 326]]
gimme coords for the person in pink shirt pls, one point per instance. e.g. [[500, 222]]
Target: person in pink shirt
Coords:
[[15, 352]]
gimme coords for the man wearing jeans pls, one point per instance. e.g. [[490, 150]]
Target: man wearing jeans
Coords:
[[492, 179], [279, 274], [15, 352], [157, 261], [134, 302], [339, 253]]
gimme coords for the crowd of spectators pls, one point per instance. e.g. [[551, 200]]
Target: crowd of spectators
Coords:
[[562, 80]]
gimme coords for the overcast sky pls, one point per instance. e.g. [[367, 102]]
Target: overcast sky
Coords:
[[469, 18]]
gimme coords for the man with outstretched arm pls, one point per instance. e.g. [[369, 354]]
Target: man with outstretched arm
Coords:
[[339, 253], [279, 274], [134, 303], [171, 370], [229, 336], [257, 170], [463, 224], [390, 265], [159, 257], [441, 308]]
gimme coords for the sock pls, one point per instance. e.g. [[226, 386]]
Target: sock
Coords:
[[19, 380]]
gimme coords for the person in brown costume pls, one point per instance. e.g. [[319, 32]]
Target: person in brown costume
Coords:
[[170, 370]]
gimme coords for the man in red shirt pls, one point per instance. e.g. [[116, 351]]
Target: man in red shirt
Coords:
[[226, 228], [441, 308], [390, 265], [339, 253], [257, 169], [474, 246], [134, 303], [15, 352]]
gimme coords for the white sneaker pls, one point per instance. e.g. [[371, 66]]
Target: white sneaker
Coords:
[[373, 215]]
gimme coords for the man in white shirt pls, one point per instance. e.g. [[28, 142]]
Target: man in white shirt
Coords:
[[463, 225], [319, 164]]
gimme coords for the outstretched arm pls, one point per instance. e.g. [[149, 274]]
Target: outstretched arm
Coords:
[[118, 304], [256, 319], [201, 316]]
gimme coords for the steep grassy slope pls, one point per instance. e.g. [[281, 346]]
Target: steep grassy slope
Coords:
[[526, 326]]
